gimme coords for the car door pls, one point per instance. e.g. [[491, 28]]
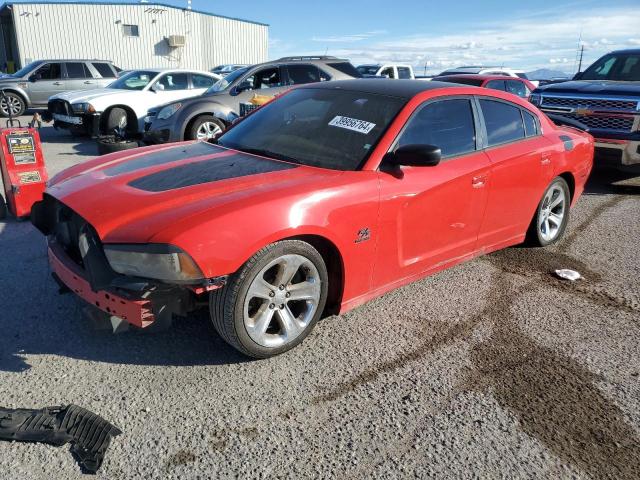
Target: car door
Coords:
[[520, 169], [432, 215], [171, 86], [269, 81], [45, 82], [78, 77]]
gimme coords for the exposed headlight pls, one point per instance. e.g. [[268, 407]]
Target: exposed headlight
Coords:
[[82, 108], [535, 98], [157, 261], [169, 110]]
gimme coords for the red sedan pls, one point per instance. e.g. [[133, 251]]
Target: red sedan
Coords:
[[518, 86], [329, 196]]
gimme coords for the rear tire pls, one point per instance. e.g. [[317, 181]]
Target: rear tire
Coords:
[[552, 215], [13, 102], [109, 144], [204, 127], [273, 301]]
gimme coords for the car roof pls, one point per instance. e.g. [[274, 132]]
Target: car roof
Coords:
[[164, 70], [71, 60], [628, 50], [382, 86], [482, 76]]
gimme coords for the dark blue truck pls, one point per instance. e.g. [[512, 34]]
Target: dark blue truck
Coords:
[[604, 100]]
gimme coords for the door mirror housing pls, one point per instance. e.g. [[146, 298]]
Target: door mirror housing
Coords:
[[242, 87], [158, 87], [35, 77], [415, 155]]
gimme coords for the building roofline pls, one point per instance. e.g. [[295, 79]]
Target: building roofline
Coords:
[[127, 4]]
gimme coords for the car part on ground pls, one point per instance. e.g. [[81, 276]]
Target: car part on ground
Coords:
[[603, 101], [223, 100], [88, 433], [114, 143], [126, 100], [377, 183], [32, 85]]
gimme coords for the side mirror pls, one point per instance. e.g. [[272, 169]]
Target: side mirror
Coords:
[[415, 155], [243, 87], [35, 77], [577, 76], [158, 87]]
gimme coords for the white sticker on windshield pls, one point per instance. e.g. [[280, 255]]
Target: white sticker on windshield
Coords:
[[352, 124]]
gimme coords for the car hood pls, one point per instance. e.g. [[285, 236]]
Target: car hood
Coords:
[[131, 197], [81, 96], [593, 87]]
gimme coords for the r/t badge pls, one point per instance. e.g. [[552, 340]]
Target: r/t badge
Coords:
[[363, 235]]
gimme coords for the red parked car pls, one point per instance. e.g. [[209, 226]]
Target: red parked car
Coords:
[[329, 196], [518, 86]]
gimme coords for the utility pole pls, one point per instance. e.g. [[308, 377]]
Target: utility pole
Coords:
[[581, 54]]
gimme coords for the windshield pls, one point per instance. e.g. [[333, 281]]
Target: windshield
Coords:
[[368, 69], [226, 81], [24, 70], [334, 129], [136, 80], [619, 68]]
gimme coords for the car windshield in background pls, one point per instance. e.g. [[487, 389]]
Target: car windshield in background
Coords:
[[135, 80], [333, 129], [226, 81], [617, 68], [368, 69], [24, 70]]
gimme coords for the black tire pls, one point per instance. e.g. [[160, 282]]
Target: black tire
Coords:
[[226, 305], [116, 118], [192, 131], [19, 105], [110, 144], [536, 232], [3, 208]]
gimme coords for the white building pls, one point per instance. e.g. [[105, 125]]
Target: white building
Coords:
[[132, 35]]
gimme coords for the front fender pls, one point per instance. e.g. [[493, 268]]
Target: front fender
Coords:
[[20, 91], [208, 107]]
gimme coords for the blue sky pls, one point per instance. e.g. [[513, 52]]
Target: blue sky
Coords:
[[440, 34]]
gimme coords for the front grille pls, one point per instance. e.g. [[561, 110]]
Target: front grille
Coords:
[[590, 103], [600, 122], [60, 107]]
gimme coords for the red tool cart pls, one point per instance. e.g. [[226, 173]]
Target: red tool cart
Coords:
[[23, 171]]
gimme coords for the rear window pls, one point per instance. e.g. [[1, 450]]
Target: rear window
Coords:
[[346, 68], [530, 124], [104, 69], [404, 72], [503, 122]]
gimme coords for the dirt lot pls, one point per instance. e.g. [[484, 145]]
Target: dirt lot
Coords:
[[493, 369]]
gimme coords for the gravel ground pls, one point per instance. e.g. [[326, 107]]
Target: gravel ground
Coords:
[[493, 369]]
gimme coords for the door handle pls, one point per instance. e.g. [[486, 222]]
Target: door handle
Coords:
[[478, 181], [57, 83], [88, 82]]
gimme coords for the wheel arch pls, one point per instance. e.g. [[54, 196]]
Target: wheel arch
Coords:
[[20, 93], [571, 181], [195, 117], [214, 109]]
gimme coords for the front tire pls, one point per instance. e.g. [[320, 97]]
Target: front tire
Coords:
[[13, 104], [552, 215], [116, 120], [273, 301], [205, 128]]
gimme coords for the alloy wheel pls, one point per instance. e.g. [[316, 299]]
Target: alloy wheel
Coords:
[[552, 213], [10, 104], [207, 130], [282, 300]]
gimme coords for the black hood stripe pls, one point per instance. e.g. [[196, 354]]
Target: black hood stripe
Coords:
[[222, 168], [164, 156]]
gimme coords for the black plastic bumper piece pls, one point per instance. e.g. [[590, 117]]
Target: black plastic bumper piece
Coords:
[[88, 433]]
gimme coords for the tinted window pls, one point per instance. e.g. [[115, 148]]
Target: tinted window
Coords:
[[622, 67], [522, 75], [503, 122], [404, 72], [387, 72], [368, 69], [447, 124], [300, 74], [174, 81], [346, 68], [324, 76], [517, 88], [202, 81], [327, 128], [77, 70], [464, 81], [495, 85], [266, 78], [104, 69], [49, 71], [530, 124], [130, 30]]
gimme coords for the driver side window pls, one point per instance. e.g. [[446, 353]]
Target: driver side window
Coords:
[[447, 124], [266, 78], [50, 71]]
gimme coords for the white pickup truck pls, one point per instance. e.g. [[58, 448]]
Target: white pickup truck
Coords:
[[387, 70]]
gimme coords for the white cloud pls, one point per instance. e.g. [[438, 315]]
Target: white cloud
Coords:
[[356, 37]]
